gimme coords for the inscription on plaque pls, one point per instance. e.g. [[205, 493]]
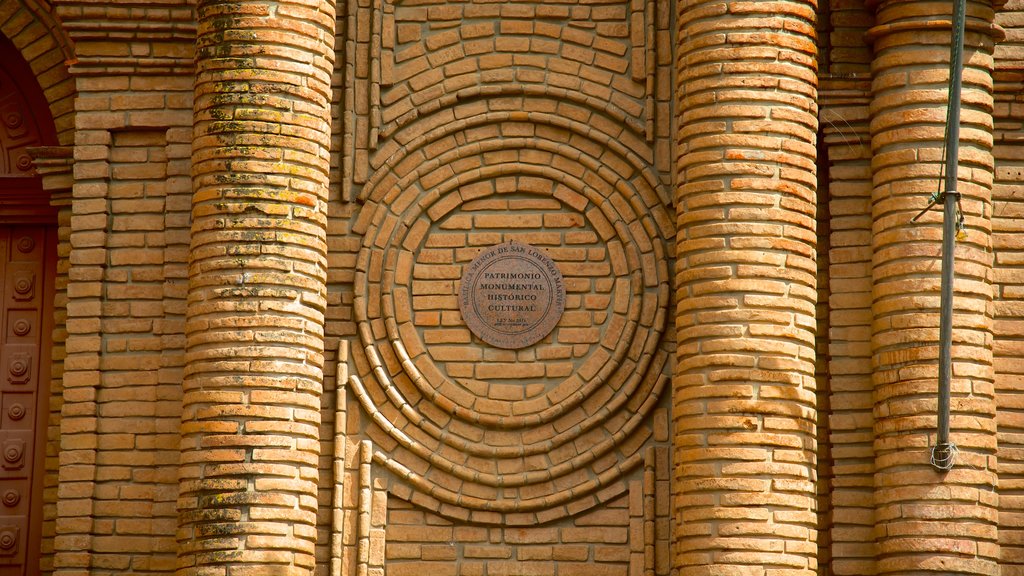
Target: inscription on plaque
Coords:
[[512, 295]]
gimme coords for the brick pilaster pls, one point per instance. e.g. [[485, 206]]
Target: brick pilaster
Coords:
[[254, 365], [744, 389], [927, 521]]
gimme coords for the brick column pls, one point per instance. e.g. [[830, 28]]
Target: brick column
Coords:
[[744, 390], [925, 520], [257, 293]]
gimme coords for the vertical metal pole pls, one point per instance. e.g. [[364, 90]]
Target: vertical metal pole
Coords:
[[942, 455]]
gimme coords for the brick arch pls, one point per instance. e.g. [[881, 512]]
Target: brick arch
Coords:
[[25, 119], [574, 102], [500, 55], [38, 38]]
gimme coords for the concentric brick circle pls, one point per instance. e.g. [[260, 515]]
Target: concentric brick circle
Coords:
[[458, 433]]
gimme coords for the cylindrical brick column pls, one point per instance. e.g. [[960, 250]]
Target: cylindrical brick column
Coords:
[[927, 521], [744, 390], [257, 287]]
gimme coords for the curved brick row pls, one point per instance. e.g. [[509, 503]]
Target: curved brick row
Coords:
[[744, 404], [254, 365], [926, 521], [498, 56], [477, 441]]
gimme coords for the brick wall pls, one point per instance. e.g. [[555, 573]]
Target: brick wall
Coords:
[[121, 408], [465, 125], [124, 249], [844, 111], [457, 126], [853, 248], [1007, 209], [594, 543]]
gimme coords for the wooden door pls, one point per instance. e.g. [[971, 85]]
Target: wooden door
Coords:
[[28, 265], [27, 257]]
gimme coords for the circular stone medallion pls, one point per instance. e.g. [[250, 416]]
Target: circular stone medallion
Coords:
[[512, 295]]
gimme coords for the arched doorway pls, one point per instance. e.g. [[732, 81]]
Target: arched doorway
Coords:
[[28, 266]]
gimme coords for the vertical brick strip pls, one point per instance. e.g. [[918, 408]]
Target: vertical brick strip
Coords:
[[254, 361], [744, 389], [927, 521]]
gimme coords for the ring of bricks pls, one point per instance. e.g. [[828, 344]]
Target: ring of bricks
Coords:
[[503, 460]]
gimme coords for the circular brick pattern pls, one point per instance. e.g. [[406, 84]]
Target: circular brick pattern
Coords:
[[512, 377], [487, 434]]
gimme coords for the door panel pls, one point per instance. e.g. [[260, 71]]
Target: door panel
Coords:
[[23, 264]]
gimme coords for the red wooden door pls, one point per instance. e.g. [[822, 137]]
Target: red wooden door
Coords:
[[26, 265]]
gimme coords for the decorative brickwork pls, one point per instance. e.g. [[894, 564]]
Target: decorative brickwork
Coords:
[[249, 437], [742, 382], [519, 416], [475, 124], [744, 389]]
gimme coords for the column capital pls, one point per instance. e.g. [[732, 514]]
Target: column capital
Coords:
[[894, 16], [54, 164]]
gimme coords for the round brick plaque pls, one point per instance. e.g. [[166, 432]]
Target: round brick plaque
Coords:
[[512, 295]]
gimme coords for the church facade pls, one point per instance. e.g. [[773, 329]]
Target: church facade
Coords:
[[480, 287]]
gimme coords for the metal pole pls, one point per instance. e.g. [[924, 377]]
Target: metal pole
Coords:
[[942, 455]]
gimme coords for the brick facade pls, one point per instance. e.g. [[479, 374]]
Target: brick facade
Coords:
[[262, 212]]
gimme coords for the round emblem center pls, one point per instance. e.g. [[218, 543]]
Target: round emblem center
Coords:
[[512, 295]]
